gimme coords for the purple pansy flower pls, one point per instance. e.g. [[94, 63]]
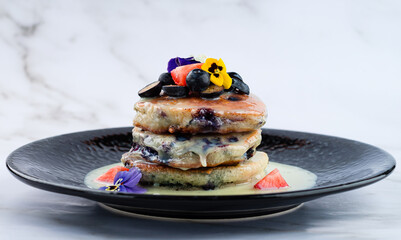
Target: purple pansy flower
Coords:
[[126, 181], [176, 62]]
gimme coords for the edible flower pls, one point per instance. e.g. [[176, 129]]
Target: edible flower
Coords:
[[126, 181], [200, 58], [177, 62], [217, 69]]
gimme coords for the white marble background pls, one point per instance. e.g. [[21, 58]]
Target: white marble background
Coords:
[[331, 67]]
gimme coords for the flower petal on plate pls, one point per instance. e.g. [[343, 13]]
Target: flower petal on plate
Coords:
[[135, 189], [134, 177]]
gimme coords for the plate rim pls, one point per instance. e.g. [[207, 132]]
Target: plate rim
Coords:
[[83, 192]]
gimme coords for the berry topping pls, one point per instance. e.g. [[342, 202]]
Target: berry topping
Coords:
[[151, 90], [198, 80], [110, 174], [166, 79], [239, 86], [273, 180], [212, 91], [235, 75], [175, 91], [201, 75], [179, 74]]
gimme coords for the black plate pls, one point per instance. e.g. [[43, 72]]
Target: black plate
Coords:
[[60, 163]]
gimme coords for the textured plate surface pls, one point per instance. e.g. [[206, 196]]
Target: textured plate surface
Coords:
[[60, 163]]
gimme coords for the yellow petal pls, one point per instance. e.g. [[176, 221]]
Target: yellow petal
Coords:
[[208, 63], [216, 80], [221, 63], [227, 80]]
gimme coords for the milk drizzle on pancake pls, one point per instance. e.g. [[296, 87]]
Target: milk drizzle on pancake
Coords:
[[170, 147]]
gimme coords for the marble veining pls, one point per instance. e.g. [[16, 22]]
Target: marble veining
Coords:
[[330, 67]]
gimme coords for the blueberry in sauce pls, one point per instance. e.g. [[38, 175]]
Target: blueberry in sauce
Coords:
[[129, 163], [149, 153], [209, 186], [166, 147], [233, 139], [211, 143], [250, 153], [182, 137], [135, 147], [206, 118]]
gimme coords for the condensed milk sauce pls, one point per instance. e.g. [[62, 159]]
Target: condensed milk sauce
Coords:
[[297, 179]]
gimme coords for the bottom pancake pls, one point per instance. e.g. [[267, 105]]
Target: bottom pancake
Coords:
[[207, 178]]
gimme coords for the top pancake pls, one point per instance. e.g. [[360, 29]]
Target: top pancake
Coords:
[[230, 112]]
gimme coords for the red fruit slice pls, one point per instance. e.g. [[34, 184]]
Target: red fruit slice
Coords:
[[273, 180], [179, 74], [110, 174]]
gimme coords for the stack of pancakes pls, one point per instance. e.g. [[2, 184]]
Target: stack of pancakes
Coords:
[[198, 142]]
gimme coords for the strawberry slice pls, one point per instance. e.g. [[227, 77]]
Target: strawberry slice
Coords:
[[179, 74], [110, 174], [273, 180]]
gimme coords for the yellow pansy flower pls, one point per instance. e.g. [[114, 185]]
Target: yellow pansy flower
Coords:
[[219, 75]]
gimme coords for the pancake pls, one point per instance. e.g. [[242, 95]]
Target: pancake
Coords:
[[207, 178], [186, 151], [231, 112]]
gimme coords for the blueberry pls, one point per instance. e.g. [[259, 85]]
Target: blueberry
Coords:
[[206, 118], [149, 153], [151, 90], [198, 80], [239, 86], [166, 79], [135, 147], [212, 91], [233, 139], [209, 186], [175, 91], [250, 153], [235, 75], [182, 137]]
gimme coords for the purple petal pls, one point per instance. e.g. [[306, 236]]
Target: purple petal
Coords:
[[103, 188], [171, 65], [134, 177], [176, 62], [121, 174], [187, 61], [122, 189], [135, 189]]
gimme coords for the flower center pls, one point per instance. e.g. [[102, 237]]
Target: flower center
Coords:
[[116, 186]]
